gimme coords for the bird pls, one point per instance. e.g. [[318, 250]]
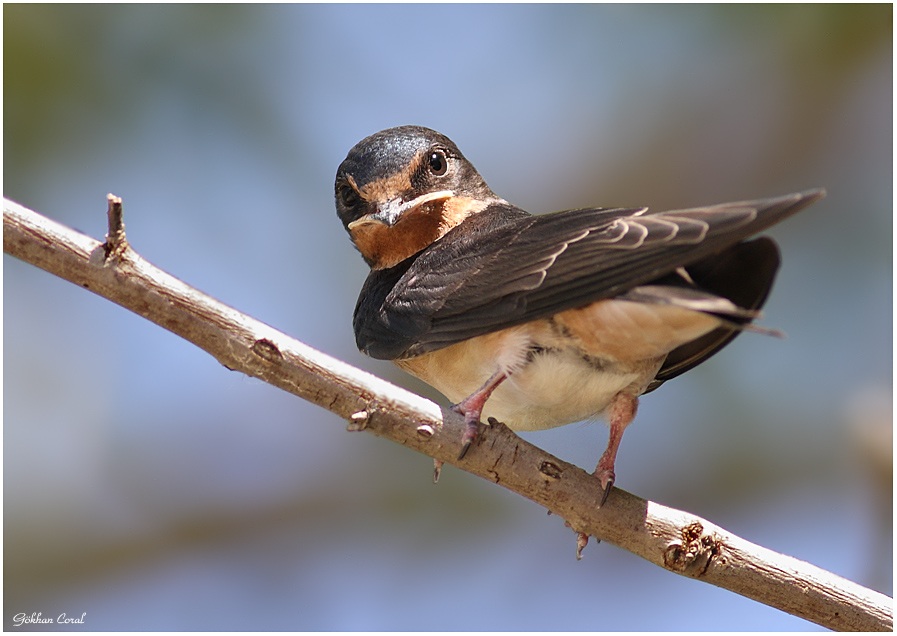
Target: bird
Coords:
[[542, 320]]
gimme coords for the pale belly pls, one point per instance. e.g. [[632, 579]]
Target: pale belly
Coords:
[[553, 386], [559, 388], [565, 369]]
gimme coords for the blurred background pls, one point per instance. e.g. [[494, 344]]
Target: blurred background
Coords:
[[149, 487]]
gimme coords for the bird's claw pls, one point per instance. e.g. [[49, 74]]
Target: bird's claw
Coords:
[[471, 432], [606, 479]]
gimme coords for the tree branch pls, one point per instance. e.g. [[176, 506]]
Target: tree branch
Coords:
[[674, 540]]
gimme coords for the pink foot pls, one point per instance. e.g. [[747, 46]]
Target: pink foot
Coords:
[[622, 412], [471, 408]]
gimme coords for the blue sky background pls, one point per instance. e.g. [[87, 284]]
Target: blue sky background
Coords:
[[153, 489]]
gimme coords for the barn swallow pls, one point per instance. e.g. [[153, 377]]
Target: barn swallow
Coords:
[[542, 320]]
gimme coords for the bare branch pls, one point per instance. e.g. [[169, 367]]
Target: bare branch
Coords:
[[674, 540]]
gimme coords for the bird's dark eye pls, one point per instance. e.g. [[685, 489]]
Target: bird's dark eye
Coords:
[[347, 195], [437, 162]]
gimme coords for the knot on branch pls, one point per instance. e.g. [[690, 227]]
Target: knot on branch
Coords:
[[359, 421], [550, 469], [693, 555], [267, 350]]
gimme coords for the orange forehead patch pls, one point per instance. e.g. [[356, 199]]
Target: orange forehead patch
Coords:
[[387, 188]]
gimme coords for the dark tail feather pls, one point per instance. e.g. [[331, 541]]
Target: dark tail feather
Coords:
[[744, 274]]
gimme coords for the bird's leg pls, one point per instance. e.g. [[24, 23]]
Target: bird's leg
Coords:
[[622, 412], [471, 408]]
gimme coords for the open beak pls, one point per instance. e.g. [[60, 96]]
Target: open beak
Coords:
[[392, 211]]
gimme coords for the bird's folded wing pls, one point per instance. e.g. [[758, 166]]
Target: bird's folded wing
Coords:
[[503, 267]]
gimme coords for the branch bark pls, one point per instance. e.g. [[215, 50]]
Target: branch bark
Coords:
[[674, 540]]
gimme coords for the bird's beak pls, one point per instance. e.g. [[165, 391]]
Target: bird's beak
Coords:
[[391, 212]]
